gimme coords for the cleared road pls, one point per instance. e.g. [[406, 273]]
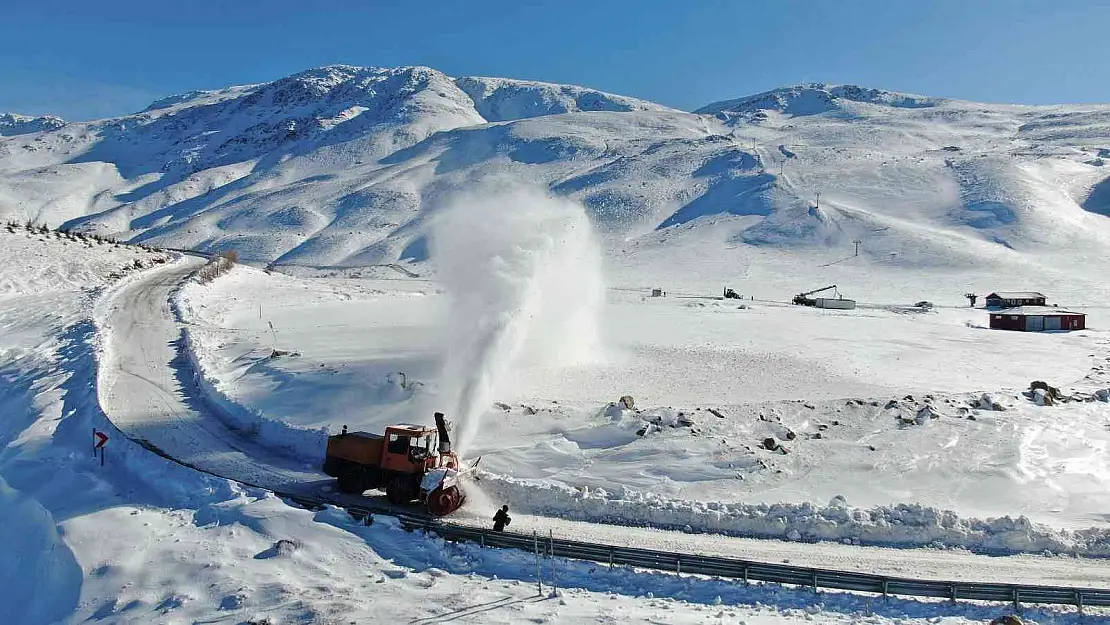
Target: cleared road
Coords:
[[146, 388]]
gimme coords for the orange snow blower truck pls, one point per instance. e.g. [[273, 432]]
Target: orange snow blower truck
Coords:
[[411, 462]]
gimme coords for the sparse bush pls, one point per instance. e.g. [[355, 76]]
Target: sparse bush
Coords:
[[217, 266]]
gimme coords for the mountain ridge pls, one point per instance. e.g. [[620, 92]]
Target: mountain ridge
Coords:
[[343, 165]]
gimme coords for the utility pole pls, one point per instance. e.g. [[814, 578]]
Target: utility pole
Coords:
[[857, 242], [818, 199]]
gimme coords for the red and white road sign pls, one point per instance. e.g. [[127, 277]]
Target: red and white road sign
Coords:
[[101, 439]]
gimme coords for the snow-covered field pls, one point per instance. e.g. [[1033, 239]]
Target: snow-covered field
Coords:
[[768, 369], [143, 540]]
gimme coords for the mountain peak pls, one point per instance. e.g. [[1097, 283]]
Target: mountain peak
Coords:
[[16, 124], [815, 98]]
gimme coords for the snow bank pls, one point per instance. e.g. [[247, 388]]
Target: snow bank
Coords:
[[902, 525], [301, 442], [38, 569]]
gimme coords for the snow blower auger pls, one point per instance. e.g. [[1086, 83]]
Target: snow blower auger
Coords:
[[410, 462]]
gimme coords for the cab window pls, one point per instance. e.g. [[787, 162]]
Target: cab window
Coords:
[[397, 444]]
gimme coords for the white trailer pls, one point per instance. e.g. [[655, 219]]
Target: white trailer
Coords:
[[835, 302]]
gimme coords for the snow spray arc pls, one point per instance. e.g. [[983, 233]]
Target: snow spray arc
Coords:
[[522, 274]]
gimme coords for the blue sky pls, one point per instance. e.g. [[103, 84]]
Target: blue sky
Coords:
[[86, 59]]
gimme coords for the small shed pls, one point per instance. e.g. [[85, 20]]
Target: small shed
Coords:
[[1037, 319], [1011, 299]]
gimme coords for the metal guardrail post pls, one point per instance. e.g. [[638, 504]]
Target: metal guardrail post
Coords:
[[678, 566], [886, 584], [1017, 600], [744, 572], [551, 555], [953, 598], [536, 546], [815, 589], [1079, 601], [610, 557]]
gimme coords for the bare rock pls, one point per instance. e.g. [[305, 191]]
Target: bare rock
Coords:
[[281, 549], [925, 413], [627, 402], [1042, 397], [988, 402]]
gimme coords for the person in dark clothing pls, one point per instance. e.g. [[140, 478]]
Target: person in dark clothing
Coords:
[[501, 519]]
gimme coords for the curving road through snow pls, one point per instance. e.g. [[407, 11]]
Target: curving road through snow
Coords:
[[147, 388]]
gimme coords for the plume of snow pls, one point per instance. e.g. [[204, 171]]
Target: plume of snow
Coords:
[[522, 273]]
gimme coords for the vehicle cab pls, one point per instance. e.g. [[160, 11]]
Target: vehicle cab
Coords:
[[410, 448]]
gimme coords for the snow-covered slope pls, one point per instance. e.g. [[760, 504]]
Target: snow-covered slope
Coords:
[[343, 165], [501, 99], [815, 98], [13, 124]]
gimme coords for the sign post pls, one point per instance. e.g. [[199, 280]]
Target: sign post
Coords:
[[100, 440]]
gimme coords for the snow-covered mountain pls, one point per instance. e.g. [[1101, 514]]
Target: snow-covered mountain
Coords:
[[14, 124], [343, 165], [813, 99]]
